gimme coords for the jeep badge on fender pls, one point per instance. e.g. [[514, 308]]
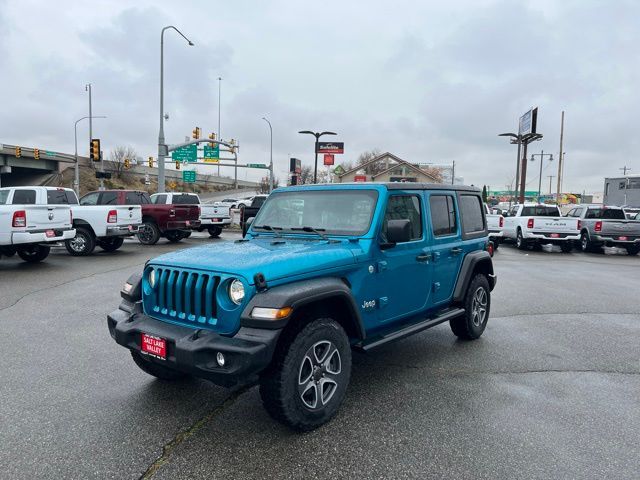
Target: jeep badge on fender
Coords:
[[321, 270]]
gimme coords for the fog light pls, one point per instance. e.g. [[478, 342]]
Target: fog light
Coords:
[[220, 359]]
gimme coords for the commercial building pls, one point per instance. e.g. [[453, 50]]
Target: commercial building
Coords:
[[387, 167]]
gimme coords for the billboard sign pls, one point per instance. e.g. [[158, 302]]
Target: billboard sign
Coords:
[[328, 159], [295, 165], [528, 122], [330, 147]]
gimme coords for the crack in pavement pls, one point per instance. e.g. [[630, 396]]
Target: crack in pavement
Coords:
[[66, 283], [182, 436]]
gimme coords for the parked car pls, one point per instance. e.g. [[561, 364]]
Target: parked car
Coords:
[[495, 224], [105, 226], [213, 217], [606, 226], [228, 202], [29, 225], [532, 224], [174, 222], [371, 264]]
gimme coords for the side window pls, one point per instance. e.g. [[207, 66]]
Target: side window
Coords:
[[24, 197], [109, 198], [443, 215], [578, 212], [90, 199], [159, 199], [132, 198], [144, 198], [404, 207], [71, 198], [471, 210], [514, 211]]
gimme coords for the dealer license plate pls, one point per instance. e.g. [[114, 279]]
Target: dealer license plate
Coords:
[[624, 239], [155, 346], [217, 219], [555, 235]]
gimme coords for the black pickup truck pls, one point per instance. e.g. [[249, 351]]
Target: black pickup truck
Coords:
[[249, 211]]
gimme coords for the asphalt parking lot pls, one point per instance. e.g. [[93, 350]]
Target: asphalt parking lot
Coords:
[[552, 389]]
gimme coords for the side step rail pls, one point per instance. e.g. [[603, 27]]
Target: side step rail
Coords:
[[409, 330]]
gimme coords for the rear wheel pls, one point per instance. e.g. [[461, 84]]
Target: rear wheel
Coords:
[[34, 253], [307, 380], [633, 249], [214, 231], [148, 233], [566, 247], [174, 236], [585, 244], [111, 244], [158, 371], [186, 234], [82, 244], [520, 243], [477, 304]]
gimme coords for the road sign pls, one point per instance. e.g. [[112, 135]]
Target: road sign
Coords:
[[189, 176], [295, 165], [188, 153], [256, 165], [173, 185], [328, 159], [338, 170], [212, 154], [330, 147]]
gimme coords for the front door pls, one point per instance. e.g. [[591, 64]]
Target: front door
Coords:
[[404, 271]]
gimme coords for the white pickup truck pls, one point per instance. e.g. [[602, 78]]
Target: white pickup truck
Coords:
[[213, 216], [495, 224], [533, 224], [28, 225], [104, 226]]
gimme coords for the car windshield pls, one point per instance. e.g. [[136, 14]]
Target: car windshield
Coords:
[[331, 212], [540, 211]]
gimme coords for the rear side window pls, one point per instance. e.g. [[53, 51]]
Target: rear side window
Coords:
[[404, 207], [185, 200], [471, 210], [24, 197], [90, 199], [109, 198], [159, 199], [443, 215], [4, 194], [258, 201], [61, 197]]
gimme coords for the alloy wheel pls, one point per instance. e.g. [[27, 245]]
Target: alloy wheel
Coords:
[[479, 306], [319, 374]]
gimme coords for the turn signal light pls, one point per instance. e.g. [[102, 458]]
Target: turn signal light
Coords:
[[263, 313], [530, 223], [112, 217], [19, 218]]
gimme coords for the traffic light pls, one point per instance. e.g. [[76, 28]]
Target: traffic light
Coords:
[[18, 152], [150, 162], [196, 133], [177, 165], [36, 153], [127, 164], [233, 150], [212, 136], [94, 150]]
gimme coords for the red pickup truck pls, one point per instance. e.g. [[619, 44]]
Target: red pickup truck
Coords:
[[173, 222]]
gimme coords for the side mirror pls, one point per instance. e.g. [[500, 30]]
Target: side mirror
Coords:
[[398, 231], [246, 225]]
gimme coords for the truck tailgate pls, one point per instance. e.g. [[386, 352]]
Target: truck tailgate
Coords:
[[554, 224], [186, 212], [43, 217], [616, 228], [128, 214]]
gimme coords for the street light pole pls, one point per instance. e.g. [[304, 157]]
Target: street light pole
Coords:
[[517, 139], [541, 155], [219, 97], [162, 148], [270, 155], [76, 182], [317, 135]]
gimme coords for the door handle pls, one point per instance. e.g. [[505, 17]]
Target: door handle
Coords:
[[424, 257], [456, 251]]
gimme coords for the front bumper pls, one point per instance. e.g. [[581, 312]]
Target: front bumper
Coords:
[[182, 224], [40, 236], [194, 351], [122, 230]]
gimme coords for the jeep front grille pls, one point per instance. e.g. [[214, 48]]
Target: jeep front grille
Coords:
[[186, 297]]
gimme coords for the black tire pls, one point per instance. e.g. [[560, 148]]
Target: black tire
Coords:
[[156, 370], [585, 244], [477, 306], [496, 243], [186, 234], [34, 253], [174, 236], [521, 244], [111, 244], [566, 247], [148, 233], [633, 249], [214, 231], [296, 383], [83, 244]]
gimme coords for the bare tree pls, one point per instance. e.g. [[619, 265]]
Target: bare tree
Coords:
[[117, 158]]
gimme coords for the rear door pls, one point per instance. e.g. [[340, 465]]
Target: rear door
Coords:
[[405, 270], [447, 249]]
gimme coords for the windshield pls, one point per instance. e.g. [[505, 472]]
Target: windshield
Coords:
[[339, 212], [540, 211]]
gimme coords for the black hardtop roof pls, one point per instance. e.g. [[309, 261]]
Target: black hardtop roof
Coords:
[[414, 186]]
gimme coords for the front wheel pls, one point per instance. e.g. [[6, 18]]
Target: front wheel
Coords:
[[111, 244], [214, 231], [83, 244], [477, 304], [34, 253], [307, 380]]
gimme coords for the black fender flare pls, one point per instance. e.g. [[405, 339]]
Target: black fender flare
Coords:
[[299, 294], [469, 264]]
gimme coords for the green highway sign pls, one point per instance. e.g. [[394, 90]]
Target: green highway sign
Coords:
[[189, 176], [256, 165], [188, 153], [211, 154]]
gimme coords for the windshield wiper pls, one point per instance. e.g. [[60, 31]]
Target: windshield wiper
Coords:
[[317, 231], [270, 229]]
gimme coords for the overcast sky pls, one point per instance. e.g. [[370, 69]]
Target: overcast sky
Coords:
[[427, 81]]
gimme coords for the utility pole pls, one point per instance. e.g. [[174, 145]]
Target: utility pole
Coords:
[[219, 96], [551, 177], [560, 159], [453, 173], [625, 169]]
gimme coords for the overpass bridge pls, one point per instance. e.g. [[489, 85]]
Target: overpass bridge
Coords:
[[26, 169]]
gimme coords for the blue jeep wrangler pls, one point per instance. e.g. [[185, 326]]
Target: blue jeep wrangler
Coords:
[[321, 270]]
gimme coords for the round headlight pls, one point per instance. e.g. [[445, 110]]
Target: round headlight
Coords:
[[152, 278], [236, 291]]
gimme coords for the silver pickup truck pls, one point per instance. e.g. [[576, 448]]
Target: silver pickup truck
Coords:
[[606, 226]]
